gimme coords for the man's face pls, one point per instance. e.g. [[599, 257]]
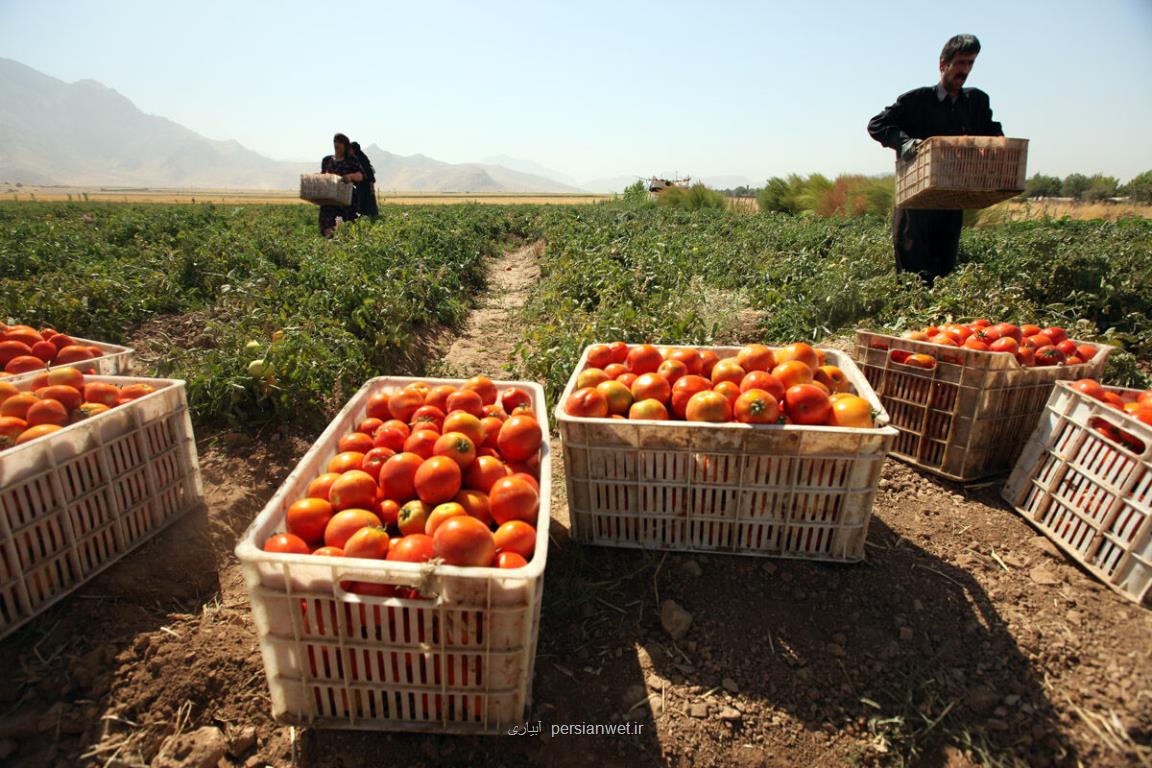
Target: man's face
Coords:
[[954, 74]]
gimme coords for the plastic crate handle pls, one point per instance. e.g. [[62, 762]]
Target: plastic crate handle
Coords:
[[421, 581]]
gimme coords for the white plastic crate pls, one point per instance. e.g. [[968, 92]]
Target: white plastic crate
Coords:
[[770, 490], [1088, 493], [967, 417], [459, 662], [77, 500]]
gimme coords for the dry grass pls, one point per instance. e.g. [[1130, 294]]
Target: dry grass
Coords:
[[265, 197], [1022, 211]]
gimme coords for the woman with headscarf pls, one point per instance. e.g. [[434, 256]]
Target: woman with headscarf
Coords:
[[347, 166], [364, 198]]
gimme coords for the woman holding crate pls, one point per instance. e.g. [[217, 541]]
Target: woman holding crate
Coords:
[[345, 165]]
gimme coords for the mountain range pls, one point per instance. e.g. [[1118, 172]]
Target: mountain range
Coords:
[[87, 134]]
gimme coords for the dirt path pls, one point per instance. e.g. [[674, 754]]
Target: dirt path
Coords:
[[964, 637]]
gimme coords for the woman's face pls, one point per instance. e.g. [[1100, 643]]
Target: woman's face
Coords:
[[340, 147]]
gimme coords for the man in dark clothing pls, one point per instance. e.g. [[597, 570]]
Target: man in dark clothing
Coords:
[[927, 241], [364, 196]]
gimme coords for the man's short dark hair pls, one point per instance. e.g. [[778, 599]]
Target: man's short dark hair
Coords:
[[341, 138], [959, 44]]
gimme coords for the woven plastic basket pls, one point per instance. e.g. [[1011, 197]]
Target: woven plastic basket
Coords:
[[952, 172]]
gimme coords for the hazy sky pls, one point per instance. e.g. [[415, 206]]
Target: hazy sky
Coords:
[[597, 89]]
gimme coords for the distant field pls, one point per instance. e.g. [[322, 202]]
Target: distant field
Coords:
[[262, 197]]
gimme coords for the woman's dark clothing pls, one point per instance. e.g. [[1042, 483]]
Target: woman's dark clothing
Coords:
[[328, 213], [928, 241], [364, 198]]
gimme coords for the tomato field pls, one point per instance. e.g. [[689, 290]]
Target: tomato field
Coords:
[[961, 639]]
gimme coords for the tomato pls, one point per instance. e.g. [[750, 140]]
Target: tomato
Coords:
[[671, 370], [508, 560], [62, 340], [1004, 344], [24, 364], [1144, 412], [466, 400], [88, 410], [832, 377], [914, 335], [708, 406], [374, 459], [1111, 398], [615, 370], [475, 503], [422, 442], [1086, 352], [852, 411], [586, 403], [491, 426], [800, 352], [17, 406], [10, 429], [402, 404], [101, 392], [689, 357], [1089, 387], [1067, 346], [39, 430], [727, 370], [69, 397], [684, 388], [643, 358], [627, 379], [464, 541], [307, 518], [1049, 355], [287, 543], [355, 441], [708, 360], [806, 404], [590, 377], [438, 479], [974, 342], [756, 357], [398, 476], [456, 446], [412, 548], [730, 391], [388, 511], [74, 354], [1055, 332], [793, 372], [44, 350], [66, 377], [652, 410], [619, 351], [755, 406], [413, 517], [427, 416], [136, 391], [651, 386], [369, 543], [390, 437], [483, 473], [483, 386], [353, 489], [944, 340], [320, 488], [520, 438], [920, 361], [328, 552], [514, 396], [513, 498], [599, 356], [1026, 356], [345, 462], [979, 323], [345, 523], [440, 513], [618, 396], [516, 536], [369, 426]]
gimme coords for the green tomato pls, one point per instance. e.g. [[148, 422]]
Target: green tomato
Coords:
[[254, 348], [257, 368]]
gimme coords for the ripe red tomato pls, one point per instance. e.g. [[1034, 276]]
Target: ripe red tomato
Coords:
[[689, 356], [398, 476], [287, 543], [483, 386], [413, 548], [1055, 332], [438, 479], [355, 489], [345, 523], [520, 437], [422, 442], [807, 404], [456, 446], [464, 541], [671, 370], [708, 406], [643, 358], [652, 410], [800, 351], [651, 386], [728, 369], [756, 406], [369, 543], [355, 441], [599, 356], [483, 473], [852, 411], [508, 560], [427, 415], [516, 536], [587, 403], [404, 403], [413, 517], [1004, 344], [682, 392], [307, 518], [514, 396], [466, 400], [1049, 355], [756, 357], [1086, 352], [441, 513], [1089, 387], [513, 498], [475, 503], [345, 461]]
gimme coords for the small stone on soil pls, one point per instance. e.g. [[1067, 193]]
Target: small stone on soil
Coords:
[[674, 619], [731, 714], [730, 685], [698, 710]]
